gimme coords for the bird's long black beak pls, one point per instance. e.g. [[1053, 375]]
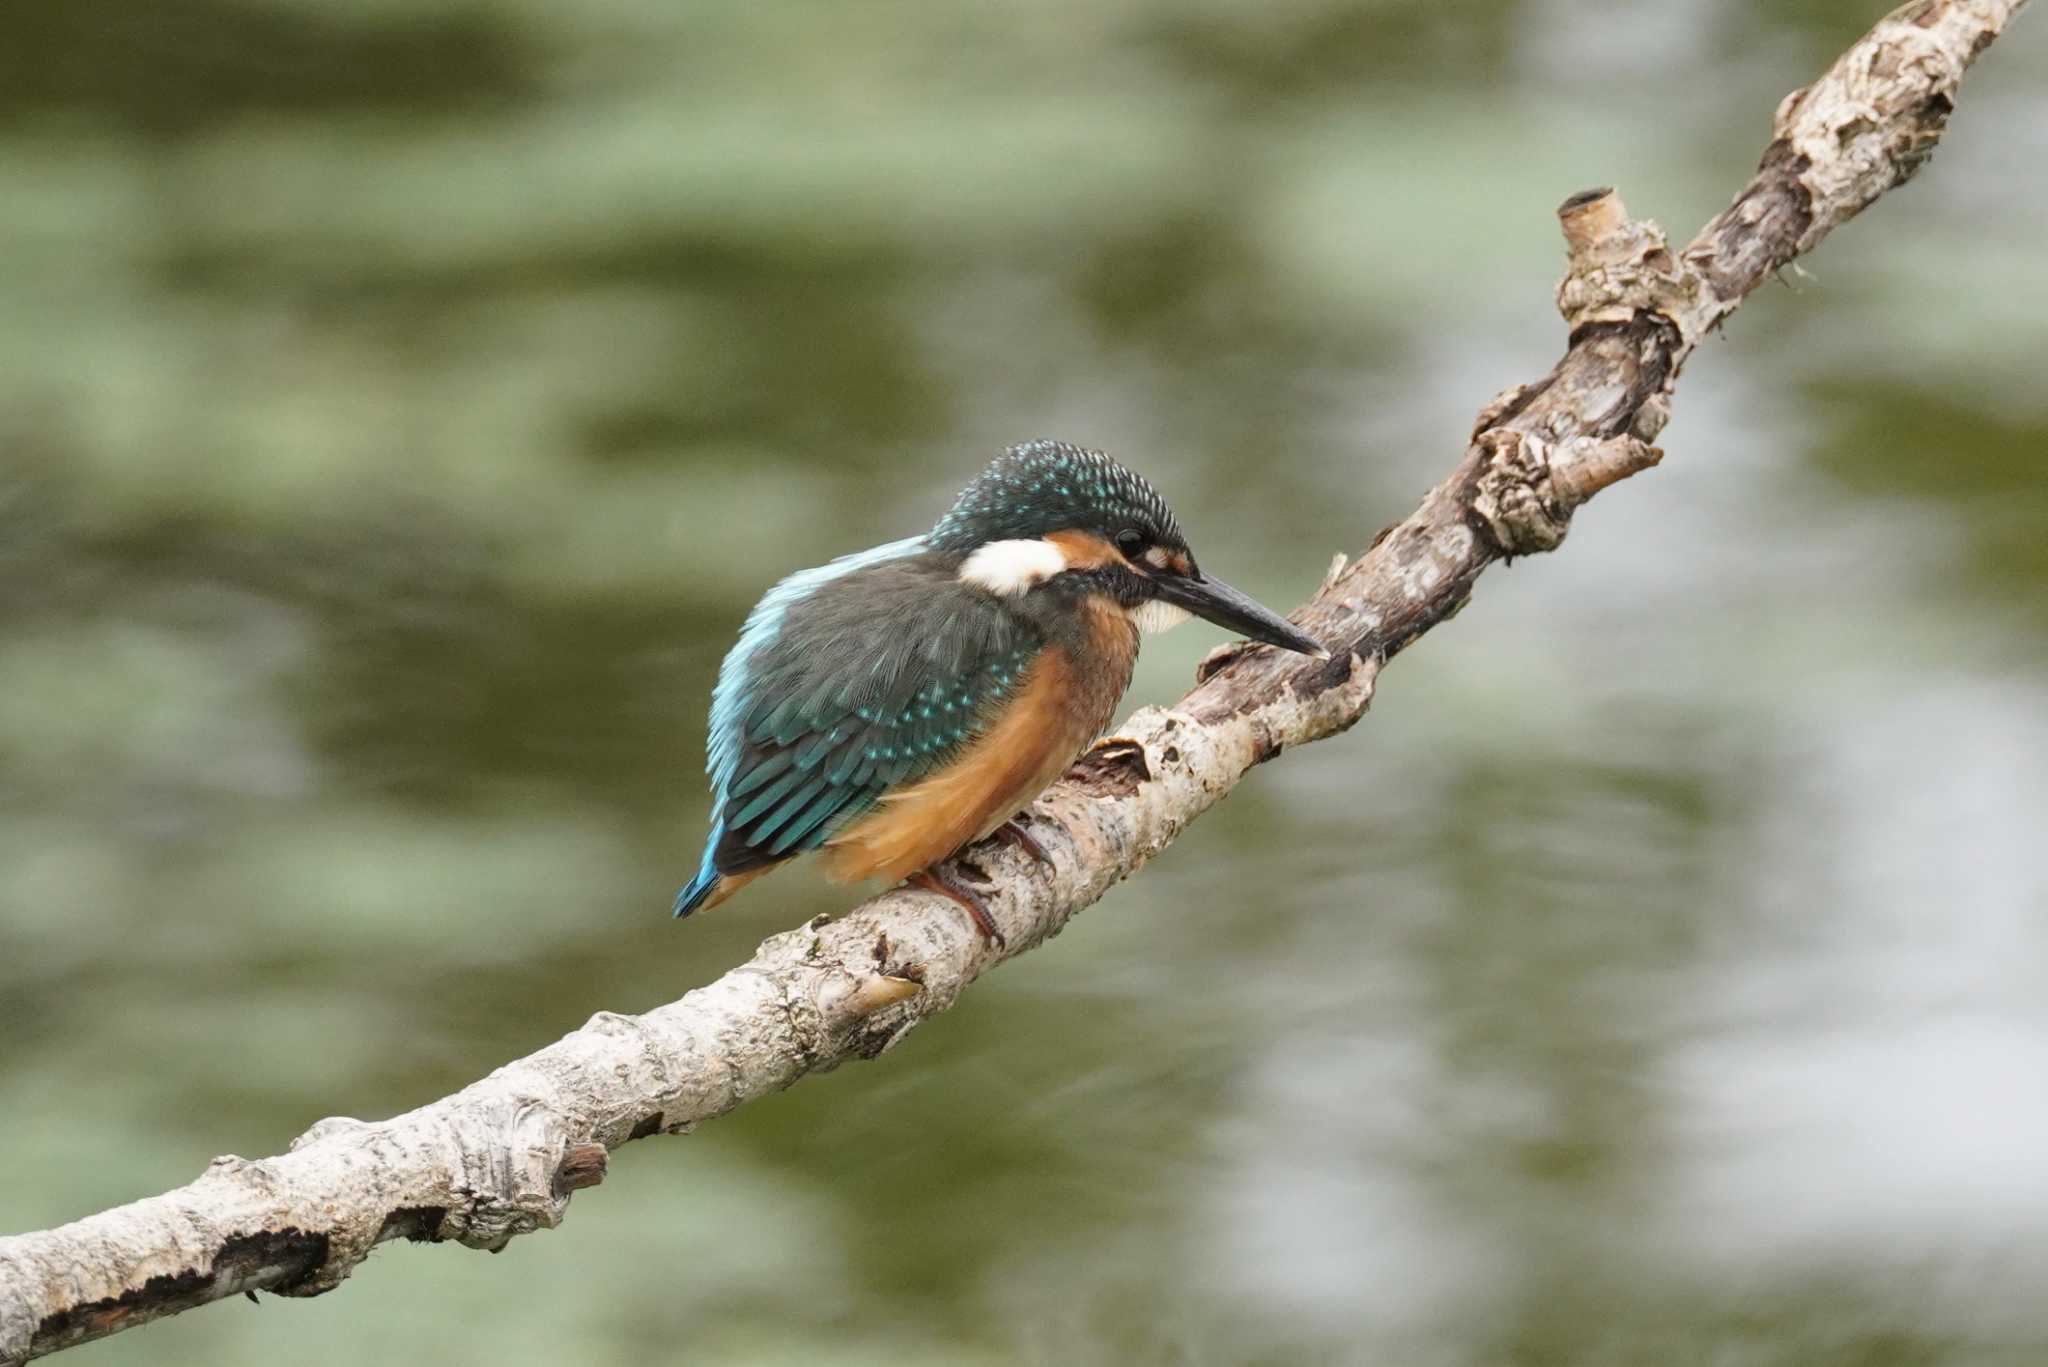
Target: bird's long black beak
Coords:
[[1226, 607]]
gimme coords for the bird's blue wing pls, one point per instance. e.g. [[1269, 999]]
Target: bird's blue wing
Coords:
[[860, 682]]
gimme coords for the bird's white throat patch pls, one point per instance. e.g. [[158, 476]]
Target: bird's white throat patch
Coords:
[[1008, 568], [1156, 616]]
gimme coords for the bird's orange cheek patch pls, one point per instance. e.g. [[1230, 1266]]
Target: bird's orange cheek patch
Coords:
[[1084, 550]]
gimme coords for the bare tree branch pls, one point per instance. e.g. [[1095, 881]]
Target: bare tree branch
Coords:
[[501, 1157]]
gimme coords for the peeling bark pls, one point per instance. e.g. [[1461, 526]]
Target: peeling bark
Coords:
[[502, 1157]]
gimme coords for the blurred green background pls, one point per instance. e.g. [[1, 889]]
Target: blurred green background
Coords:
[[401, 402]]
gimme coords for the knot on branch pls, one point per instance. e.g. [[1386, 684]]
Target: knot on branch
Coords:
[[507, 1153], [1514, 496], [582, 1165], [1616, 266], [1112, 768], [1527, 488]]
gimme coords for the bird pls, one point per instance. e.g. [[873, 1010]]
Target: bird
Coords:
[[896, 705]]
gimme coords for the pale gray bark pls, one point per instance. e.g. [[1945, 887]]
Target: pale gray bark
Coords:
[[500, 1158]]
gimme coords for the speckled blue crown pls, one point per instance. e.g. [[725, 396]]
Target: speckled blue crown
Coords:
[[1049, 486]]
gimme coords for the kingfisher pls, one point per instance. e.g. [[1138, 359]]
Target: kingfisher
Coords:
[[897, 705]]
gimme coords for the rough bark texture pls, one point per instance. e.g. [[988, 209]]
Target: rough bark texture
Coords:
[[501, 1157]]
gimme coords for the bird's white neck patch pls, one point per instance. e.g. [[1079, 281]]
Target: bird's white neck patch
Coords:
[[1009, 568], [1156, 616]]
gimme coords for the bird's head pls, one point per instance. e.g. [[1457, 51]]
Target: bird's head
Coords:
[[1046, 516]]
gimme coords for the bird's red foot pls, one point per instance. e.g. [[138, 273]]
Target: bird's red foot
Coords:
[[1012, 832], [931, 880]]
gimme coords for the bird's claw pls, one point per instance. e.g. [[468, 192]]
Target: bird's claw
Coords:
[[1012, 832], [931, 880]]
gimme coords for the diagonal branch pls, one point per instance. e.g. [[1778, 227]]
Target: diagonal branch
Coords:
[[501, 1157]]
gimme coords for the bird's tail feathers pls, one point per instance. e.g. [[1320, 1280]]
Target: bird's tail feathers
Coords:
[[703, 889], [710, 887], [697, 893]]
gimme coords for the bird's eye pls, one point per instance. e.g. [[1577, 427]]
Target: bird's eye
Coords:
[[1131, 542]]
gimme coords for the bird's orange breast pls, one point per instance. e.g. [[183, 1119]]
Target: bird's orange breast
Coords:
[[1062, 705]]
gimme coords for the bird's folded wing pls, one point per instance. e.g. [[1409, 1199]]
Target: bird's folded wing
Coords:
[[867, 684]]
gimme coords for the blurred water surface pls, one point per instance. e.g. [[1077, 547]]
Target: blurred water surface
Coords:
[[401, 402]]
